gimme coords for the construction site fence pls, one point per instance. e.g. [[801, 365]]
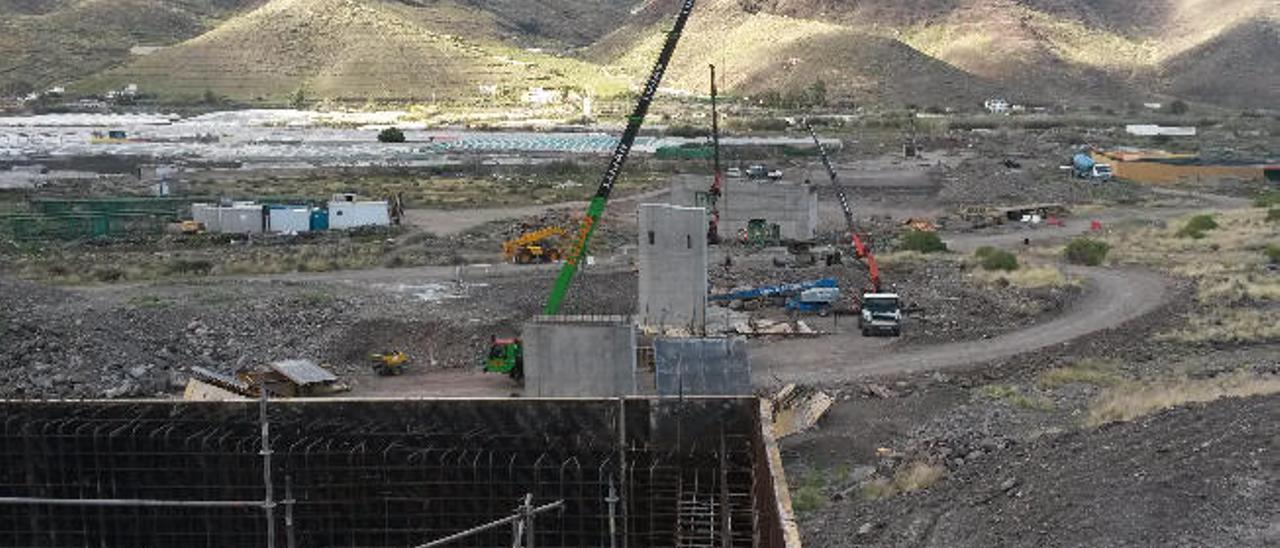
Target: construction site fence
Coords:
[[83, 226]]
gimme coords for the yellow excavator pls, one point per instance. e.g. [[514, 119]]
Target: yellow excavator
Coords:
[[389, 363], [532, 247]]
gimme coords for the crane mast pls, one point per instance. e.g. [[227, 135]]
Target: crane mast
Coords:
[[860, 248], [597, 205], [717, 181]]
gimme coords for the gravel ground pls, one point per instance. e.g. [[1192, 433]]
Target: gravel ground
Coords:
[[943, 302], [1020, 472], [133, 341], [1196, 476]]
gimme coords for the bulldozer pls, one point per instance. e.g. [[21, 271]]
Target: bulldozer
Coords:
[[532, 247]]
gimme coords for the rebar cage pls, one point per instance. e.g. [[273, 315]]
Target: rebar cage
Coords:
[[381, 473]]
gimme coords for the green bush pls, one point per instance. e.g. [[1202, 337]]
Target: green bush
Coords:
[[997, 259], [1273, 216], [1270, 198], [1273, 253], [1086, 251], [1197, 226], [923, 242], [391, 135]]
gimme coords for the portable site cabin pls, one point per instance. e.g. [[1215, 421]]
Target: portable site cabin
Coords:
[[345, 211], [289, 219], [237, 218]]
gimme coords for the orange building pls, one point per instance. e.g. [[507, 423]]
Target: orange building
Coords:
[[1158, 167]]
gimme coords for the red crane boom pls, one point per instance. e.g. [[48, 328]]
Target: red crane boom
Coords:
[[859, 247]]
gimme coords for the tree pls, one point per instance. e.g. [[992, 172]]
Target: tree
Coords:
[[17, 88], [391, 135], [922, 241], [298, 98], [1085, 251], [211, 98], [817, 93]]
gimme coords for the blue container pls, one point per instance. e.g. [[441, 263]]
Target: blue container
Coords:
[[319, 219]]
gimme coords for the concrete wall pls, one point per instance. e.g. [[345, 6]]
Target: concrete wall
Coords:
[[793, 207], [702, 367], [672, 261], [567, 356]]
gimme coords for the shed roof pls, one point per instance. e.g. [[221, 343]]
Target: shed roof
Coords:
[[303, 372]]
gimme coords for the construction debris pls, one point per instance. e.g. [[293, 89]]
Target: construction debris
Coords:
[[763, 327], [797, 409]]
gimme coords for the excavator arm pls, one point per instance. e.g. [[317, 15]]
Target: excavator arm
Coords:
[[859, 246], [595, 210]]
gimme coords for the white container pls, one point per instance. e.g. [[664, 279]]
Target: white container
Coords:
[[289, 221], [343, 215]]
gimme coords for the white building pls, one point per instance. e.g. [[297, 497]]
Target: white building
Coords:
[[1154, 130], [541, 96], [346, 211], [997, 106]]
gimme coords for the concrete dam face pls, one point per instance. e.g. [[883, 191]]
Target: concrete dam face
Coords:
[[624, 472]]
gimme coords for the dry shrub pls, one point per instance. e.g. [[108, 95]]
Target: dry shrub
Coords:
[[1232, 325], [1132, 400], [1029, 277], [911, 477], [1226, 263], [1092, 372]]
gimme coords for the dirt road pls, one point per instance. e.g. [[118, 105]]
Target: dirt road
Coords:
[[448, 222], [1111, 298]]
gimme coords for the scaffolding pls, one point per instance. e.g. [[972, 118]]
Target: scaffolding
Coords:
[[371, 474]]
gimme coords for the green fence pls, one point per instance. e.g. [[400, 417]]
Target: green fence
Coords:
[[172, 208], [82, 226]]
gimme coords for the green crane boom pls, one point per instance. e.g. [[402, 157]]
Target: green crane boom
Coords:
[[596, 208]]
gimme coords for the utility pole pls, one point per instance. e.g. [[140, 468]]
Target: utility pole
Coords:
[[713, 197]]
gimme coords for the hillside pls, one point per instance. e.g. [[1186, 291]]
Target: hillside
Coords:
[[798, 53], [48, 42], [943, 51], [923, 52], [352, 50], [1247, 56]]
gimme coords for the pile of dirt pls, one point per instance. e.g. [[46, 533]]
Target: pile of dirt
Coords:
[[1194, 476]]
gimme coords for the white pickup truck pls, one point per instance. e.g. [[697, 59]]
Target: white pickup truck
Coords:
[[881, 314]]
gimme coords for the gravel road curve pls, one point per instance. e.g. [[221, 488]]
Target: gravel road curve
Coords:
[[1111, 298]]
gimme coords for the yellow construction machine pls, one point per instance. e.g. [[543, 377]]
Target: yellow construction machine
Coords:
[[532, 247], [389, 363]]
